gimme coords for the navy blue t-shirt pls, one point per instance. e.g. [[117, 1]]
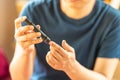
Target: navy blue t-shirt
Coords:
[[96, 35]]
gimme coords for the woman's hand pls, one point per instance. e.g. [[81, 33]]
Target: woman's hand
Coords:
[[59, 57], [21, 66], [63, 58], [25, 36]]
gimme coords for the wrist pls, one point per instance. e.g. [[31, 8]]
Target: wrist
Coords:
[[70, 66], [72, 70]]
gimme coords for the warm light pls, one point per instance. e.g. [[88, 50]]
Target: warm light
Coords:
[[107, 1], [20, 4]]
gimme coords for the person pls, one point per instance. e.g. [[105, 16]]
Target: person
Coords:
[[85, 42]]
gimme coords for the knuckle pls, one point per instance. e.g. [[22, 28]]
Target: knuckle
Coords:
[[52, 52], [36, 41], [33, 42], [28, 37], [59, 48], [27, 27]]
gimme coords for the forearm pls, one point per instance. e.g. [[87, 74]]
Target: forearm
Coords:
[[21, 66], [78, 72]]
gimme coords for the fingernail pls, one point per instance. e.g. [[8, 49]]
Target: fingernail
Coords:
[[38, 27], [64, 41], [52, 43]]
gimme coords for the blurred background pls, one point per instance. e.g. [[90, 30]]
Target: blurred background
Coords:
[[9, 11]]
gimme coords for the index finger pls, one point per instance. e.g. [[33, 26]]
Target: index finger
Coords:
[[18, 21], [57, 47]]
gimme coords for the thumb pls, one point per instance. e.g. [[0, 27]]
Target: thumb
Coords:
[[67, 47]]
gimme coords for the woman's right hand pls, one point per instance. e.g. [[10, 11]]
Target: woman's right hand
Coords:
[[22, 64], [25, 36]]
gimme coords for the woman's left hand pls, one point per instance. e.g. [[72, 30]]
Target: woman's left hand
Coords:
[[59, 57]]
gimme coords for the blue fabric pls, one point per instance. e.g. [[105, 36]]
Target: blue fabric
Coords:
[[96, 35]]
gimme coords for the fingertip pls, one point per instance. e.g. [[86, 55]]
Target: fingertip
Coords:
[[38, 26], [64, 42], [51, 43], [24, 17]]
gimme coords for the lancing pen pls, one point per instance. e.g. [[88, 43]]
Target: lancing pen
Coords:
[[45, 38]]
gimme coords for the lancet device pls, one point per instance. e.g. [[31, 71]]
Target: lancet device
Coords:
[[45, 38]]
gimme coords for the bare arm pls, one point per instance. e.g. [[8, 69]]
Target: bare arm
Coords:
[[21, 67], [106, 66], [102, 71], [63, 58]]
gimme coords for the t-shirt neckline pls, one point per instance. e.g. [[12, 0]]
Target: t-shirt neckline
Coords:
[[78, 21]]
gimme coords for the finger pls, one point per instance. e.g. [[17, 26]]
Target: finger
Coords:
[[23, 30], [56, 55], [31, 42], [67, 47], [18, 21], [38, 26], [29, 36], [51, 60], [57, 48]]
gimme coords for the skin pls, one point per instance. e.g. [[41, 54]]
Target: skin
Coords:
[[64, 59], [21, 67]]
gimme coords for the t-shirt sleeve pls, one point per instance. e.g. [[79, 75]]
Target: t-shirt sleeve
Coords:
[[28, 11], [110, 47], [31, 10]]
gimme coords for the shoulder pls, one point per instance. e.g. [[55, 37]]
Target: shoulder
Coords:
[[107, 10], [109, 14], [113, 16], [37, 3], [114, 13], [34, 7]]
